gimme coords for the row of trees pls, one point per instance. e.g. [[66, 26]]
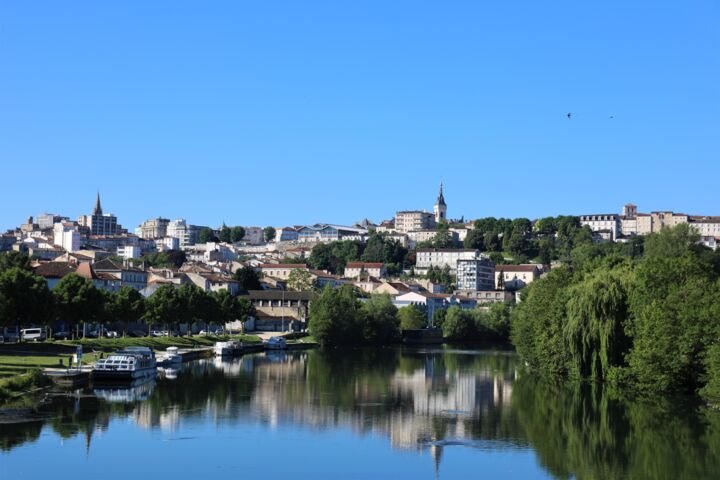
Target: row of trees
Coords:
[[230, 234], [337, 317], [378, 248], [490, 324], [644, 315], [550, 238], [26, 300]]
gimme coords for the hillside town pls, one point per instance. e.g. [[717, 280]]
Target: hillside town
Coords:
[[418, 257]]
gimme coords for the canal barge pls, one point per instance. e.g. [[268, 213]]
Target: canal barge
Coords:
[[131, 363]]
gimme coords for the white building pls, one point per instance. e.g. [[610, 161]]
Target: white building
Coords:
[[66, 236], [356, 269], [475, 274], [602, 222], [412, 220], [153, 228], [442, 257], [286, 234], [253, 235], [186, 234], [167, 243], [129, 251], [706, 226]]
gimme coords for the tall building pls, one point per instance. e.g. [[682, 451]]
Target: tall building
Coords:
[[440, 207], [100, 223], [154, 228], [475, 274], [410, 220], [47, 220], [66, 236], [186, 234]]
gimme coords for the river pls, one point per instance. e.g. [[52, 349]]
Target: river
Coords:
[[367, 414]]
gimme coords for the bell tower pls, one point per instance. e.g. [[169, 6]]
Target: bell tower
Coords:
[[440, 207]]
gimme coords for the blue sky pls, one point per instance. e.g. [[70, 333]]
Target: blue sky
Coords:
[[291, 112]]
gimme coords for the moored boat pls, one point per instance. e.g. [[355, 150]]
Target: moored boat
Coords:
[[170, 357], [128, 364], [226, 349], [276, 343]]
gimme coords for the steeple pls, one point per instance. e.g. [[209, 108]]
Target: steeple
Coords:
[[440, 208], [98, 208], [441, 199]]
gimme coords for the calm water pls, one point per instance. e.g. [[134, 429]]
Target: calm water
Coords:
[[387, 413]]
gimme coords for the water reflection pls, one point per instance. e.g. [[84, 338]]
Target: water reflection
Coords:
[[420, 400]]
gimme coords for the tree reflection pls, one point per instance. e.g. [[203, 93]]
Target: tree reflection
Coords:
[[425, 400]]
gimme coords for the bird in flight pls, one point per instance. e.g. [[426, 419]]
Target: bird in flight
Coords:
[[569, 115]]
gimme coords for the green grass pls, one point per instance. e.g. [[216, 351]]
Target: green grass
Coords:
[[158, 343], [14, 365], [19, 384]]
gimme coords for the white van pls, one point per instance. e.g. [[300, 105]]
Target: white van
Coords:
[[32, 334]]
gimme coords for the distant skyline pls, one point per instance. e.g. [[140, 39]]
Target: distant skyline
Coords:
[[281, 113]]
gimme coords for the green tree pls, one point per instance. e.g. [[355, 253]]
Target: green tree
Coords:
[[233, 307], [78, 300], [459, 324], [24, 299], [300, 280], [474, 239], [248, 278], [225, 234], [411, 318], [336, 317], [206, 234], [494, 324], [126, 306], [269, 234], [237, 233], [596, 323], [13, 259], [164, 306], [380, 320]]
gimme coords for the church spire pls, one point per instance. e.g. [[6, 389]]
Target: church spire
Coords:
[[98, 208], [441, 198]]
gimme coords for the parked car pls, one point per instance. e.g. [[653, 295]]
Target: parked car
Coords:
[[61, 335], [32, 334], [111, 334], [137, 333]]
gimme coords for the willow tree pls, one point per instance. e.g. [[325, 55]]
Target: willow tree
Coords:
[[595, 326]]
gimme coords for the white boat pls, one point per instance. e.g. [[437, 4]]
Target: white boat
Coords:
[[276, 343], [128, 364], [170, 357], [226, 349]]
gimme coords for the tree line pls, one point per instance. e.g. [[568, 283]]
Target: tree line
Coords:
[[26, 300], [338, 317], [643, 315]]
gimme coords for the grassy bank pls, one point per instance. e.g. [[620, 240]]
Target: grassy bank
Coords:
[[157, 343], [21, 384]]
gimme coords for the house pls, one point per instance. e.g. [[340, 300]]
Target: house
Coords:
[[490, 296], [129, 276], [428, 302], [214, 282], [394, 289], [355, 269], [286, 234], [322, 232], [280, 270], [103, 281], [413, 220], [279, 310], [53, 272], [442, 257], [515, 277], [322, 279]]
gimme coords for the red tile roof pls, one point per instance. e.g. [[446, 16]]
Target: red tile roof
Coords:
[[516, 268], [283, 265], [364, 265]]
